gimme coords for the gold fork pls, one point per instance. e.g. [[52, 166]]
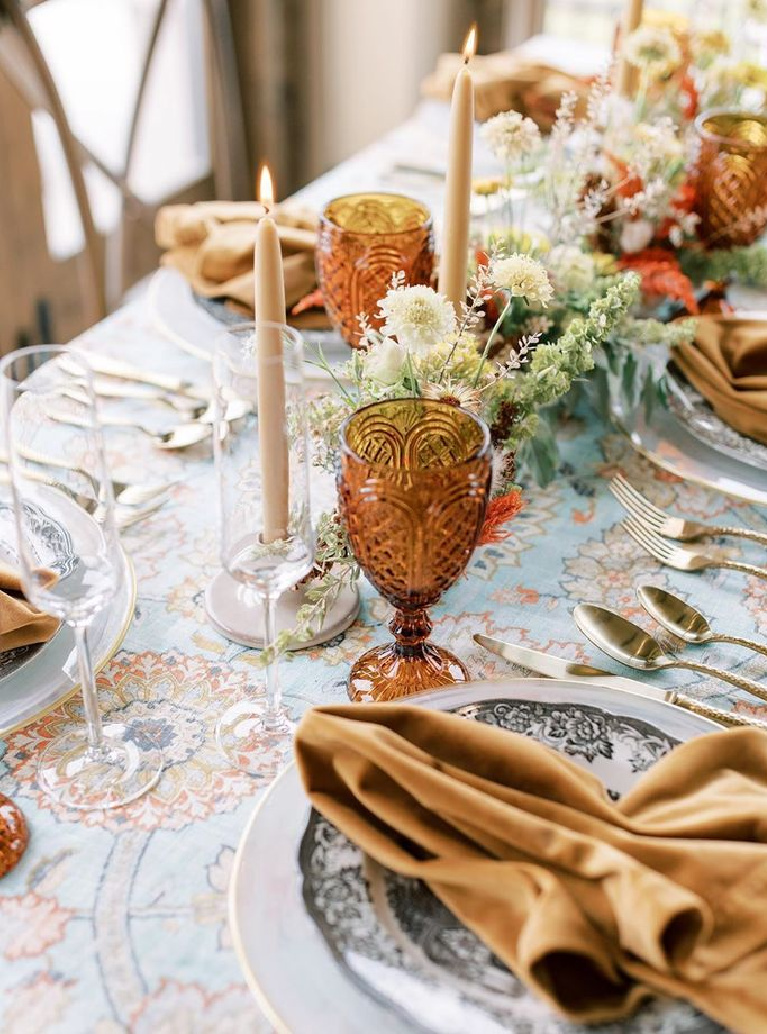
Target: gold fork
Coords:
[[683, 558], [665, 524]]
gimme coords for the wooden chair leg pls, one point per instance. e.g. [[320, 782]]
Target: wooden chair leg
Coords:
[[93, 283]]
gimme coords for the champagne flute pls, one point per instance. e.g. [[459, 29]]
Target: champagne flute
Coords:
[[71, 564], [267, 540]]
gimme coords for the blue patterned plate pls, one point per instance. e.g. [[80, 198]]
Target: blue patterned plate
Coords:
[[329, 940]]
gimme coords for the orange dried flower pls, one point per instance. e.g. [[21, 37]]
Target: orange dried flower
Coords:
[[662, 275], [499, 512], [313, 300]]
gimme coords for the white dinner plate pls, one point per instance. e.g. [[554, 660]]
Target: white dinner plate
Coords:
[[49, 674], [178, 316], [665, 441], [328, 941]]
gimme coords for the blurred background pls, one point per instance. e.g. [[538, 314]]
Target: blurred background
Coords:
[[110, 108]]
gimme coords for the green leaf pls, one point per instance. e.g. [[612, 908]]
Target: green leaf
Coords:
[[540, 455], [600, 391], [628, 380], [650, 396]]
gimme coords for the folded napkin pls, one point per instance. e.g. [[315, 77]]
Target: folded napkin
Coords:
[[727, 363], [212, 244], [595, 905], [21, 624], [508, 80]]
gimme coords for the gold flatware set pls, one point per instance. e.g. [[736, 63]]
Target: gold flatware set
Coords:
[[665, 537]]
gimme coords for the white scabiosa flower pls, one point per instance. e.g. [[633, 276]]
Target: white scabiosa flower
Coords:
[[653, 49], [522, 277], [572, 269], [418, 317], [384, 361], [510, 135]]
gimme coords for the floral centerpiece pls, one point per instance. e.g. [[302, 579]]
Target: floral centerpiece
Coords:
[[425, 349], [617, 192]]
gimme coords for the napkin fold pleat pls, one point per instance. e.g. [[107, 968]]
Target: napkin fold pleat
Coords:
[[727, 363], [21, 624], [596, 905], [212, 244]]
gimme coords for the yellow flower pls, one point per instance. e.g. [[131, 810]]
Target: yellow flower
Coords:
[[706, 46], [604, 264], [749, 74], [677, 23], [465, 359], [486, 187]]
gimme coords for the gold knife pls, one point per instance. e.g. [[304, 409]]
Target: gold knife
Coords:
[[120, 370], [573, 671]]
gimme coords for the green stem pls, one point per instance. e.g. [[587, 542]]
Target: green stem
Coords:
[[639, 103], [323, 364], [489, 342], [413, 382]]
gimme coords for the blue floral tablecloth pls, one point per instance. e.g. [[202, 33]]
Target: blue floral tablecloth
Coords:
[[118, 922]]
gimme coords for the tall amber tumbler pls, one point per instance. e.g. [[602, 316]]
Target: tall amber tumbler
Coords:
[[363, 239], [413, 485], [731, 177]]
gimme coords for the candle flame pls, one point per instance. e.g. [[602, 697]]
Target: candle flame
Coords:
[[470, 44], [265, 186]]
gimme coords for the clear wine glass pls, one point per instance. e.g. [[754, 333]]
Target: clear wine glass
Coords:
[[267, 540], [70, 562]]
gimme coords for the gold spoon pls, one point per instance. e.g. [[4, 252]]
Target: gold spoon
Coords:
[[629, 644], [685, 621]]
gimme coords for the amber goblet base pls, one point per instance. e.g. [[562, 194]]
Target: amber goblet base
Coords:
[[406, 666]]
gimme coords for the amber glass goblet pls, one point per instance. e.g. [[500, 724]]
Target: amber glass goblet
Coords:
[[731, 177], [413, 485], [363, 239]]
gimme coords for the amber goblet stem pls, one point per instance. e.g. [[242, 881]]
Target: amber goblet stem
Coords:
[[411, 629]]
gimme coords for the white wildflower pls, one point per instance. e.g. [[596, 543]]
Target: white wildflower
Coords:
[[462, 396], [636, 234], [653, 49], [511, 136], [385, 360], [572, 269], [522, 277], [417, 316], [658, 142]]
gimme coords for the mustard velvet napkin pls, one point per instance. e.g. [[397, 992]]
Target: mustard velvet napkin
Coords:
[[595, 905], [21, 624], [727, 363], [507, 80], [212, 244]]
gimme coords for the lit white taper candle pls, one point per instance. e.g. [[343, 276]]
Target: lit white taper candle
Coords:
[[270, 308]]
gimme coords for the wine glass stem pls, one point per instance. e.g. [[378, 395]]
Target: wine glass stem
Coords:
[[272, 677], [88, 683]]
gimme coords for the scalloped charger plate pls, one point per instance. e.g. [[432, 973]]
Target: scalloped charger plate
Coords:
[[328, 940]]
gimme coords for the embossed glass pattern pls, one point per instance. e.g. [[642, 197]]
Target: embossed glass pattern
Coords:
[[363, 239], [731, 180], [413, 488]]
